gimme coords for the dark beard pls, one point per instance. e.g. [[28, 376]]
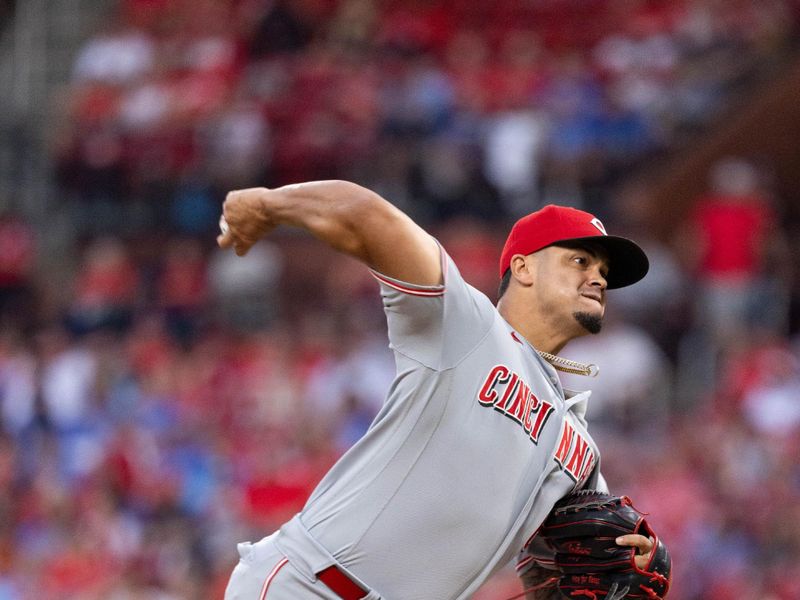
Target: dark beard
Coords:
[[591, 323]]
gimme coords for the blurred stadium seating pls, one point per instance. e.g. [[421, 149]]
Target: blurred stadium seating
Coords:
[[161, 400]]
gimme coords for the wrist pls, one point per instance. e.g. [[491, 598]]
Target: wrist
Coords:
[[269, 205]]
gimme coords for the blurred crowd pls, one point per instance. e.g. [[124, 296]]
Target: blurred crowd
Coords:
[[161, 400], [449, 107]]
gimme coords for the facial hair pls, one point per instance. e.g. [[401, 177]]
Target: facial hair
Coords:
[[591, 323]]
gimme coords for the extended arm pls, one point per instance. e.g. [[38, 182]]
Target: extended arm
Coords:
[[346, 216]]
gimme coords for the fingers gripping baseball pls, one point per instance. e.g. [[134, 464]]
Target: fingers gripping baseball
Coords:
[[244, 220]]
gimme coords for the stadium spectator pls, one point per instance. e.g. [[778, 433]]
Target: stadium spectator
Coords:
[[738, 252], [106, 288], [17, 262]]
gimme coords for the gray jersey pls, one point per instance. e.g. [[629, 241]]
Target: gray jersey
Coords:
[[474, 445]]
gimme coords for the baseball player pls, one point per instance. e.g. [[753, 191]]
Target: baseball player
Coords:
[[477, 440]]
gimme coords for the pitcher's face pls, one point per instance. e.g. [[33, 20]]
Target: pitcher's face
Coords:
[[570, 284]]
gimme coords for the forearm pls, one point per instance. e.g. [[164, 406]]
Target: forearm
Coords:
[[346, 216]]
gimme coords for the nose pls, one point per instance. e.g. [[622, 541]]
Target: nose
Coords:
[[597, 280]]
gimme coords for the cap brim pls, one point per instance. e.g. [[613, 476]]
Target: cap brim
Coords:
[[627, 262]]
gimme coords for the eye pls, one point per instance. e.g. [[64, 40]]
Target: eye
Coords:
[[581, 260]]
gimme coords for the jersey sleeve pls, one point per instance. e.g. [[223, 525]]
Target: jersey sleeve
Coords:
[[436, 326], [536, 555]]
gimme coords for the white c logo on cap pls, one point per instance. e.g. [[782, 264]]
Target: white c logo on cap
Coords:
[[597, 223]]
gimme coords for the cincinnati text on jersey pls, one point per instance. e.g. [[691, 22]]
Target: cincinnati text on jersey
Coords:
[[506, 392]]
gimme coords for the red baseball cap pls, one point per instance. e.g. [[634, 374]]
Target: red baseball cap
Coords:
[[627, 262]]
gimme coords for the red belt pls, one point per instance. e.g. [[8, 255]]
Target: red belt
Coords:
[[341, 584]]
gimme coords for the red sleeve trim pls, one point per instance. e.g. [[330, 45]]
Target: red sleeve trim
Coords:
[[406, 288], [413, 290], [524, 562], [544, 562]]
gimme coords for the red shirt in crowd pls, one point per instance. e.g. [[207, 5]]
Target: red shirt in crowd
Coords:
[[733, 233]]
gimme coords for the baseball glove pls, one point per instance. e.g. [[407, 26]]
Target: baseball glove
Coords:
[[582, 530]]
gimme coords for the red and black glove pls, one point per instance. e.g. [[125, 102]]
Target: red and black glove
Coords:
[[582, 530]]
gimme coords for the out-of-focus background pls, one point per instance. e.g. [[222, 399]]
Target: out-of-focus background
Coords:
[[161, 400]]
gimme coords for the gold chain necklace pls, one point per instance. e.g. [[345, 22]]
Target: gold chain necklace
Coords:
[[570, 366]]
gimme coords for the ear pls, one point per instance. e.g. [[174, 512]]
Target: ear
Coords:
[[521, 269]]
